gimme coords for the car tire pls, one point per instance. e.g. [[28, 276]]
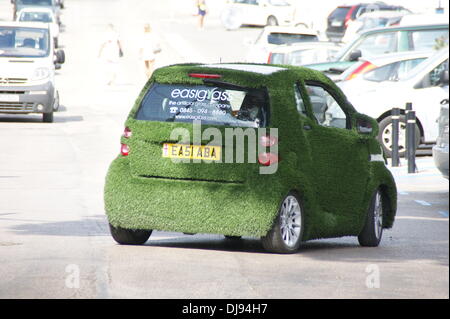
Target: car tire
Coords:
[[385, 136], [286, 234], [272, 21], [47, 117], [372, 232], [125, 236]]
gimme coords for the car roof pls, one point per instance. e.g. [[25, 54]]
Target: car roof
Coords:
[[40, 25], [293, 30], [419, 19], [285, 48], [405, 27], [398, 56]]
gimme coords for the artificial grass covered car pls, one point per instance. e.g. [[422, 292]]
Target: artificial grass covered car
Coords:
[[275, 152]]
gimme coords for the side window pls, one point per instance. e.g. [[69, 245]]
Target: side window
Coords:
[[376, 44], [301, 108], [428, 39], [434, 77], [325, 108]]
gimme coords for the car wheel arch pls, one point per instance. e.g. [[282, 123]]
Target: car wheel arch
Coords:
[[402, 112]]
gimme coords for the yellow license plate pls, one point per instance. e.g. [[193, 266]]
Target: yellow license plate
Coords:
[[186, 151]]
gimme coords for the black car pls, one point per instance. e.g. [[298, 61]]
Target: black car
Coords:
[[340, 17]]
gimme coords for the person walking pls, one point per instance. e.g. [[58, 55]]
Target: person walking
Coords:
[[148, 50], [202, 11], [109, 54]]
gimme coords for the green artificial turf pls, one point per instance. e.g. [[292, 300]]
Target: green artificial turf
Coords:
[[146, 191]]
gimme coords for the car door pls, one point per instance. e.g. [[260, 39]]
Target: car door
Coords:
[[340, 158], [426, 96]]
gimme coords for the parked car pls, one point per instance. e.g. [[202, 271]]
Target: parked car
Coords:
[[382, 41], [27, 69], [257, 12], [388, 67], [340, 18], [45, 15], [271, 37], [422, 86], [303, 53], [372, 20], [440, 150], [327, 174], [50, 4]]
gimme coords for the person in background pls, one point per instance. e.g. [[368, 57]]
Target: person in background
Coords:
[[109, 54], [202, 11], [148, 50]]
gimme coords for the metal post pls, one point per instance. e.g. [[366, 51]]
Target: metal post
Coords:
[[411, 140], [395, 134]]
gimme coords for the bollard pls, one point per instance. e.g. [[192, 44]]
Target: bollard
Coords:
[[395, 135], [411, 141]]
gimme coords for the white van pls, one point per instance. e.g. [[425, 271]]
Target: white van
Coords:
[[27, 69]]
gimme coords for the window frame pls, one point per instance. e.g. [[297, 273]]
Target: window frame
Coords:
[[330, 91]]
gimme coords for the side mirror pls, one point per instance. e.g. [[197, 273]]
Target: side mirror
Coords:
[[355, 55], [443, 77], [365, 125], [60, 57]]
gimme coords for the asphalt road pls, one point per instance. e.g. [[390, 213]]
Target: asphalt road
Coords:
[[53, 230]]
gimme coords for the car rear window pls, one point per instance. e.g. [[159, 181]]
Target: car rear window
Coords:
[[214, 105], [339, 13], [289, 38]]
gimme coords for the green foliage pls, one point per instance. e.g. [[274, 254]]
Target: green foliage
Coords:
[[146, 191]]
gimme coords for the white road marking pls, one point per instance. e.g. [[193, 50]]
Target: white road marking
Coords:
[[422, 202]]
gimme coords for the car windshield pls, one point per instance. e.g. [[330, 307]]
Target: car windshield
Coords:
[[36, 17], [289, 38], [392, 71], [34, 2], [310, 56], [24, 42], [215, 105]]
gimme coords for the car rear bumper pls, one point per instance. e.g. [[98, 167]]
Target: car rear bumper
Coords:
[[335, 36], [27, 99], [185, 206], [440, 156]]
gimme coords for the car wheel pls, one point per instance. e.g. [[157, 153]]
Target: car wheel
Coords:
[[372, 232], [385, 136], [129, 236], [272, 21], [286, 233], [47, 117]]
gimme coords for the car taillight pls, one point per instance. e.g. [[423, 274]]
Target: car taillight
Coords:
[[348, 16], [204, 76], [269, 59], [363, 68], [267, 158], [126, 132], [124, 149], [268, 141]]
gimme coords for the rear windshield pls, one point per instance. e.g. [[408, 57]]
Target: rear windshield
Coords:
[[214, 105], [339, 13], [289, 38]]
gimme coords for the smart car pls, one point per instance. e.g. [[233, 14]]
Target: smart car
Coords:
[[268, 151]]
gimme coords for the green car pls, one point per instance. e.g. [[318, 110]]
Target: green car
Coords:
[[256, 150], [381, 41]]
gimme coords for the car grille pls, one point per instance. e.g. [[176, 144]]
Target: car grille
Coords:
[[16, 106], [8, 81]]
